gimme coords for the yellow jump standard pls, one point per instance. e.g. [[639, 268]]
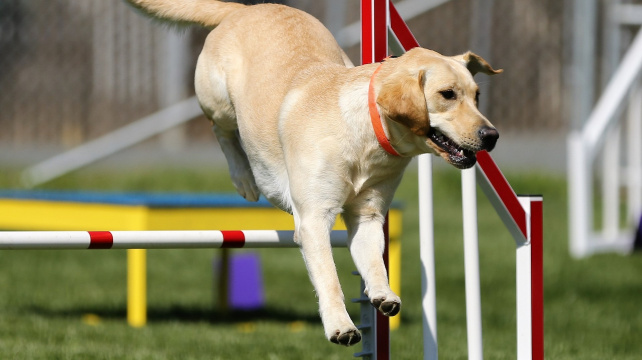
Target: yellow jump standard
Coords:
[[69, 211]]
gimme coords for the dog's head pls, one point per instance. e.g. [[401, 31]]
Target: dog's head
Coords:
[[435, 98]]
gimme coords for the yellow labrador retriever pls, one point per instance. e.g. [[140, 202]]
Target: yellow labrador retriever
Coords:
[[318, 137]]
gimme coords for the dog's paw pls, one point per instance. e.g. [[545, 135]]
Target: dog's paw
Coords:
[[245, 185], [387, 305], [346, 337], [249, 191]]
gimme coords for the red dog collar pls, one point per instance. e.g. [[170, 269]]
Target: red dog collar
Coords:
[[375, 118]]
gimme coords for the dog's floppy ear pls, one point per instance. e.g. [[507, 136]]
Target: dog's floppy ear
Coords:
[[402, 100], [475, 63]]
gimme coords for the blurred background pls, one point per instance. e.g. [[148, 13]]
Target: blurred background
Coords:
[[73, 70]]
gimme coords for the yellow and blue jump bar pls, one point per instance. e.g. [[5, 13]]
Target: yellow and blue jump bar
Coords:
[[87, 214]]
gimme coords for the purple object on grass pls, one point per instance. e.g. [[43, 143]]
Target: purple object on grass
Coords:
[[245, 282]]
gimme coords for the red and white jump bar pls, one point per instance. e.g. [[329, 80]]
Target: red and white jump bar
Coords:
[[43, 240]]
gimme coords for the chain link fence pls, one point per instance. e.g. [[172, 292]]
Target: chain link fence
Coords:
[[72, 70]]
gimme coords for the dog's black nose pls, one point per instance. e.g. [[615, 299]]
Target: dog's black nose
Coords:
[[488, 136]]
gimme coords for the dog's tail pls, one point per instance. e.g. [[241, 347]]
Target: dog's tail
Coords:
[[207, 13]]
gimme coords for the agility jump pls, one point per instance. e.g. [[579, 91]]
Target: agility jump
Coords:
[[382, 29], [522, 216]]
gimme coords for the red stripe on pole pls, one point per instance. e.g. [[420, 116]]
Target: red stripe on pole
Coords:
[[503, 190], [233, 239], [386, 238], [366, 32], [374, 47], [100, 240], [380, 30], [400, 28], [383, 336], [537, 278]]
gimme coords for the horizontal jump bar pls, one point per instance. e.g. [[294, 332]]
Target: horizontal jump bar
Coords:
[[43, 240]]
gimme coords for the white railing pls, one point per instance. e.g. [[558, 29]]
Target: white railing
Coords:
[[601, 135], [111, 143]]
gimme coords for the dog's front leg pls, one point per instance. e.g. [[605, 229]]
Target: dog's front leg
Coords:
[[364, 221], [313, 234]]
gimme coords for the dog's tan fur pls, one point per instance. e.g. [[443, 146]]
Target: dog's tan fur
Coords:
[[291, 115]]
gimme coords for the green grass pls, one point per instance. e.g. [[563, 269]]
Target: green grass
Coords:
[[592, 306]]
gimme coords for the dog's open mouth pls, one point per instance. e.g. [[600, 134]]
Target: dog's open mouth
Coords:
[[455, 154]]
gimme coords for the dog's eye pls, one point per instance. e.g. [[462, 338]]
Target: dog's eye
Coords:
[[448, 94]]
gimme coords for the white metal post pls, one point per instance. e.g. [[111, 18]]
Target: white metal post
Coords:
[[523, 289], [427, 255], [634, 156], [611, 185], [471, 258], [583, 32], [580, 198]]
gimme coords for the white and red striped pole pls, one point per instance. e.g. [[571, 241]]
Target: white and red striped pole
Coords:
[[374, 48], [523, 216], [154, 239]]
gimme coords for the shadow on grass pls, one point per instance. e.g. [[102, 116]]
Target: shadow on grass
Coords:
[[185, 314], [195, 314]]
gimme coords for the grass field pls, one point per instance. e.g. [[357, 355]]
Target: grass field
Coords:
[[71, 304]]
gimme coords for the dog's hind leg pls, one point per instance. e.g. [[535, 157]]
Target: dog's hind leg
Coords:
[[237, 162], [211, 90]]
